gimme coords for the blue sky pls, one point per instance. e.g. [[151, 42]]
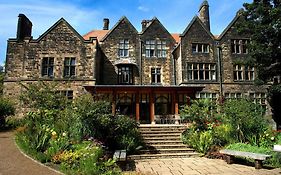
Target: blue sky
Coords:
[[86, 15]]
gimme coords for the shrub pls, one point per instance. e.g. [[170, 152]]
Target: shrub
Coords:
[[201, 112], [87, 159], [246, 119], [6, 109], [43, 95], [200, 141]]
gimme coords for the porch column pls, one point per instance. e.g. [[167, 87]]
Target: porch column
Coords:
[[113, 103], [151, 108], [137, 107], [176, 108]]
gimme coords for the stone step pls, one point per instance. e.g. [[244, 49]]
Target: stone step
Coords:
[[162, 132], [167, 146], [167, 150], [156, 142], [149, 135], [173, 138], [166, 155]]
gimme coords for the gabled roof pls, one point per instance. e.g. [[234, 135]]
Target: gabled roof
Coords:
[[151, 23], [62, 20], [124, 18], [196, 18], [99, 34], [238, 15]]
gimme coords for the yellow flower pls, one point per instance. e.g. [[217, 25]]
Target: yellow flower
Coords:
[[54, 133]]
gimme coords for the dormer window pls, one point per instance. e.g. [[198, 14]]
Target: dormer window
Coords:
[[239, 46], [200, 48], [123, 48]]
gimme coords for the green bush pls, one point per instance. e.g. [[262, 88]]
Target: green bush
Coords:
[[200, 141], [246, 119], [201, 112], [6, 109], [86, 159]]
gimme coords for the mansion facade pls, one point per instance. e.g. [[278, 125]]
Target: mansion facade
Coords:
[[145, 74]]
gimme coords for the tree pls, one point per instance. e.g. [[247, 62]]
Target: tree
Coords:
[[263, 23]]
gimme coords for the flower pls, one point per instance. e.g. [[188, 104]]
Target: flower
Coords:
[[63, 134], [54, 133], [272, 138]]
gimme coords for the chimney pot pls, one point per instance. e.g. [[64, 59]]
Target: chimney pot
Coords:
[[105, 24]]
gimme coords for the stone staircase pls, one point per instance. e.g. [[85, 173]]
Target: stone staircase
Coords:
[[163, 141]]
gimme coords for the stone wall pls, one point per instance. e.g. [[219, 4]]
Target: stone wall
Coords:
[[157, 32], [110, 46], [24, 60]]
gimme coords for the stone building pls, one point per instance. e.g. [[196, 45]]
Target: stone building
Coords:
[[146, 74]]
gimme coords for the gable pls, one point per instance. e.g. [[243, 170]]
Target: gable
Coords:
[[61, 31], [231, 29], [197, 28], [156, 29], [122, 28]]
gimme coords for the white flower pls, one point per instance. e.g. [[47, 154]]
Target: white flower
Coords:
[[272, 138], [54, 133], [63, 134]]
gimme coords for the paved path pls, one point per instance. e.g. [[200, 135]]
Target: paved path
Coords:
[[198, 166], [13, 162]]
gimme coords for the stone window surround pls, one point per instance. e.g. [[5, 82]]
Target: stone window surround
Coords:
[[238, 46], [156, 75], [200, 48], [258, 97], [155, 48], [67, 93], [243, 73], [45, 67], [125, 75], [201, 72], [123, 48], [70, 67], [209, 95], [233, 95]]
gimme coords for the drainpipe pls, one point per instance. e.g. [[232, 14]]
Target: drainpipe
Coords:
[[141, 62], [219, 53]]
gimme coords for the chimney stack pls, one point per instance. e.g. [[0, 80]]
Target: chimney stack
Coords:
[[144, 24], [24, 27], [204, 14], [105, 24]]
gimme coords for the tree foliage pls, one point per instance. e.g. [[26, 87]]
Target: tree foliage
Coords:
[[263, 23]]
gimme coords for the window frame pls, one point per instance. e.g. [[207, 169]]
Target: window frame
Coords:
[[239, 46], [123, 50], [201, 72], [200, 48], [156, 75], [48, 64], [70, 68], [125, 72]]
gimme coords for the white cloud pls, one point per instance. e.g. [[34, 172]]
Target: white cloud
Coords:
[[142, 8], [43, 15]]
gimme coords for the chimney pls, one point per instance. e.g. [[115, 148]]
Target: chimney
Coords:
[[204, 14], [105, 24], [145, 23], [24, 27]]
